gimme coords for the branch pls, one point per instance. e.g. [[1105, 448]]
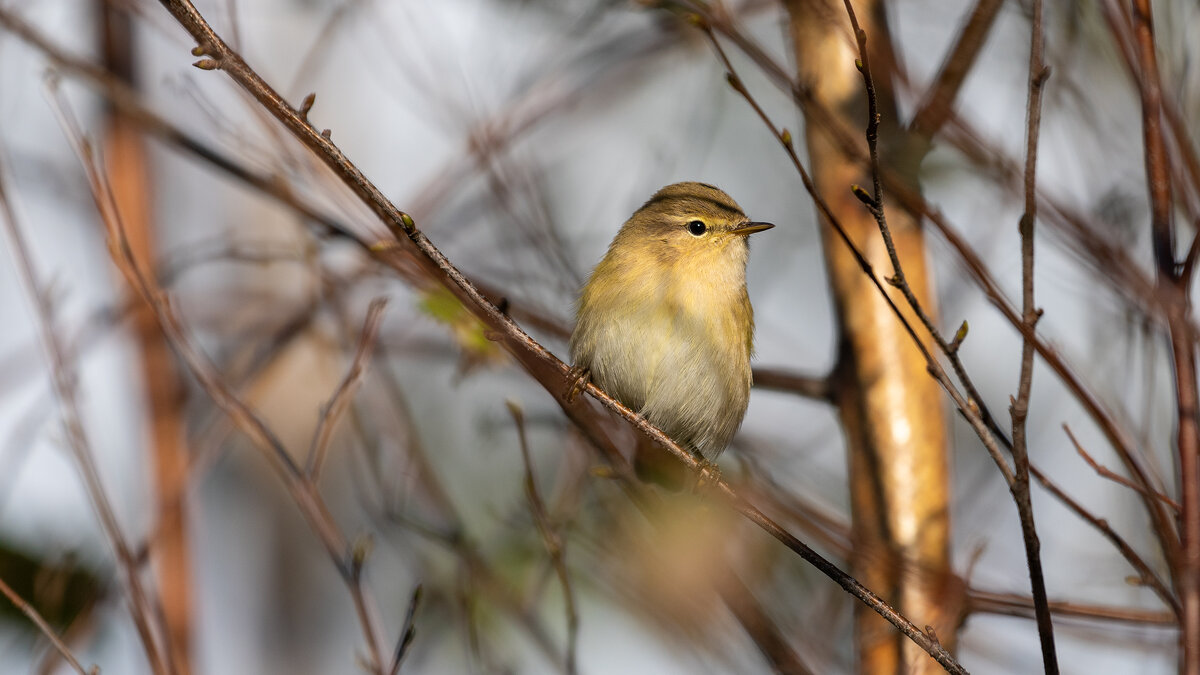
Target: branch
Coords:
[[332, 411], [1014, 605], [407, 633], [1146, 574], [938, 101], [551, 539], [1019, 410], [816, 388], [1183, 340], [140, 603], [29, 611], [1105, 472], [303, 491]]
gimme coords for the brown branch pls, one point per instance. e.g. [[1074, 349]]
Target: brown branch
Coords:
[[29, 611], [1122, 27], [938, 101], [817, 388], [127, 101], [1112, 430], [969, 408], [551, 539], [1183, 345], [550, 372], [141, 605], [132, 185], [1018, 480], [1105, 472], [332, 411], [303, 492], [1019, 409], [1146, 574], [989, 602]]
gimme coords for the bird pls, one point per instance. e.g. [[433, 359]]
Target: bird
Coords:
[[664, 323]]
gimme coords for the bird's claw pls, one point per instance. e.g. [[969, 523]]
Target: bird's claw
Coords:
[[579, 377], [709, 474]]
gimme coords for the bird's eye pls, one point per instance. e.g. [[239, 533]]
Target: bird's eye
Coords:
[[697, 228]]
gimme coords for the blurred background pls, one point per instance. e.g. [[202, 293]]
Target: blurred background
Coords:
[[400, 447]]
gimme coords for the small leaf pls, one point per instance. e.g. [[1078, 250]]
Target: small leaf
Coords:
[[361, 550], [469, 333]]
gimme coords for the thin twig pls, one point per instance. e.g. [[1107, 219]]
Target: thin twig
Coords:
[[140, 602], [1014, 605], [332, 411], [309, 501], [1105, 472], [555, 546], [127, 101], [407, 632], [1146, 574], [1019, 409], [29, 611]]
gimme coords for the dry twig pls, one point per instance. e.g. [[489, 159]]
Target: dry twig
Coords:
[[46, 630], [141, 603], [551, 539], [332, 411]]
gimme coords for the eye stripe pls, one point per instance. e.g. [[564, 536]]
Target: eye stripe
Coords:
[[723, 206]]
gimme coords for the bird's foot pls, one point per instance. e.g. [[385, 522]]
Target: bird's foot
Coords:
[[708, 476], [579, 377]]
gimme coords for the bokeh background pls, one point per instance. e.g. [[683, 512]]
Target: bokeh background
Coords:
[[520, 134]]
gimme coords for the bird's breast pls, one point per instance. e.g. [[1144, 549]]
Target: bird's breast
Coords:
[[678, 351]]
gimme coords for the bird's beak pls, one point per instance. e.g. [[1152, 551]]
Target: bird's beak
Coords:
[[751, 228]]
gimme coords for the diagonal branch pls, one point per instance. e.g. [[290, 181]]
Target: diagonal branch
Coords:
[[141, 604], [303, 491], [332, 411], [42, 625], [939, 98]]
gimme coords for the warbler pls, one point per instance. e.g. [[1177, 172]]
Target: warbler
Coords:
[[664, 323]]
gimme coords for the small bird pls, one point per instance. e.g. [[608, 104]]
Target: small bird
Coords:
[[664, 323]]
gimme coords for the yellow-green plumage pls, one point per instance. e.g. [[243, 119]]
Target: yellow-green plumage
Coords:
[[665, 325]]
